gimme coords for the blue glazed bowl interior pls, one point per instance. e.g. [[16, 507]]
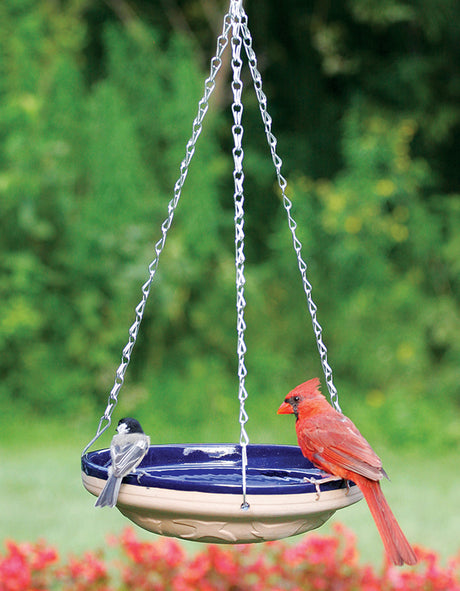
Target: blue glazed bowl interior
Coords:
[[216, 468]]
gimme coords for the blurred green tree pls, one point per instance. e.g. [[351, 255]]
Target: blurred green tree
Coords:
[[96, 107]]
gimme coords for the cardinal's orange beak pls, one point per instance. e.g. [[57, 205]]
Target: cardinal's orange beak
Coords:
[[285, 409]]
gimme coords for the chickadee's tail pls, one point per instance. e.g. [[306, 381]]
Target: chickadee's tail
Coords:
[[109, 494]]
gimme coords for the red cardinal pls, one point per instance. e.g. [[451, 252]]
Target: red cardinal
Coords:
[[332, 442]]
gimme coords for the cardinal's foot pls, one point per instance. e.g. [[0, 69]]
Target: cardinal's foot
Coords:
[[318, 481]]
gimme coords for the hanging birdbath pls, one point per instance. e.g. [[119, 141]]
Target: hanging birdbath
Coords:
[[226, 493]]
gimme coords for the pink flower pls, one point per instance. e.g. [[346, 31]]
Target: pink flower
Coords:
[[315, 563]]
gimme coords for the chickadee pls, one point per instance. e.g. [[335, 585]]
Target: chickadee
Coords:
[[129, 445]]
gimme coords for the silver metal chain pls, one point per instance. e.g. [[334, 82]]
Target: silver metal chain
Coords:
[[209, 86], [236, 9], [267, 121], [235, 19]]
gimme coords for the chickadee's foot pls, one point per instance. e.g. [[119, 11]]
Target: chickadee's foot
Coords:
[[139, 473], [318, 481]]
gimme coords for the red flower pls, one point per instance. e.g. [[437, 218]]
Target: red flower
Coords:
[[315, 563], [24, 566], [88, 573]]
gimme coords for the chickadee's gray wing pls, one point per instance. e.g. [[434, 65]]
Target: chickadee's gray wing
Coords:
[[127, 455]]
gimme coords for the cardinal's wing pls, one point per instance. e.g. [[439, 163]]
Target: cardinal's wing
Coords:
[[334, 441]]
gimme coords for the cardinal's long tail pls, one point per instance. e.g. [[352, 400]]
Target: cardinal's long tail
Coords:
[[396, 545]]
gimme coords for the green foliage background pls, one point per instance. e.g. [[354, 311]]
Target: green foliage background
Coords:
[[96, 106]]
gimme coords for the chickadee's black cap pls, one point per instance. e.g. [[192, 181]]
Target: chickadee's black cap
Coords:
[[133, 425]]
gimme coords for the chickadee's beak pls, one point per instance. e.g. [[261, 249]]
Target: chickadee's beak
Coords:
[[285, 409]]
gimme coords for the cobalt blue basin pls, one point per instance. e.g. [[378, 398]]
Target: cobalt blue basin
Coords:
[[216, 468]]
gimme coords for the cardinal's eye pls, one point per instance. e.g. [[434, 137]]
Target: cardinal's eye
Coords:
[[296, 399]]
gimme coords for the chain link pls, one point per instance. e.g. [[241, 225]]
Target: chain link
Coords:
[[209, 86], [238, 197], [267, 121]]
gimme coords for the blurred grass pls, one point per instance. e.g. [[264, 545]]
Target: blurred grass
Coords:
[[42, 496]]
